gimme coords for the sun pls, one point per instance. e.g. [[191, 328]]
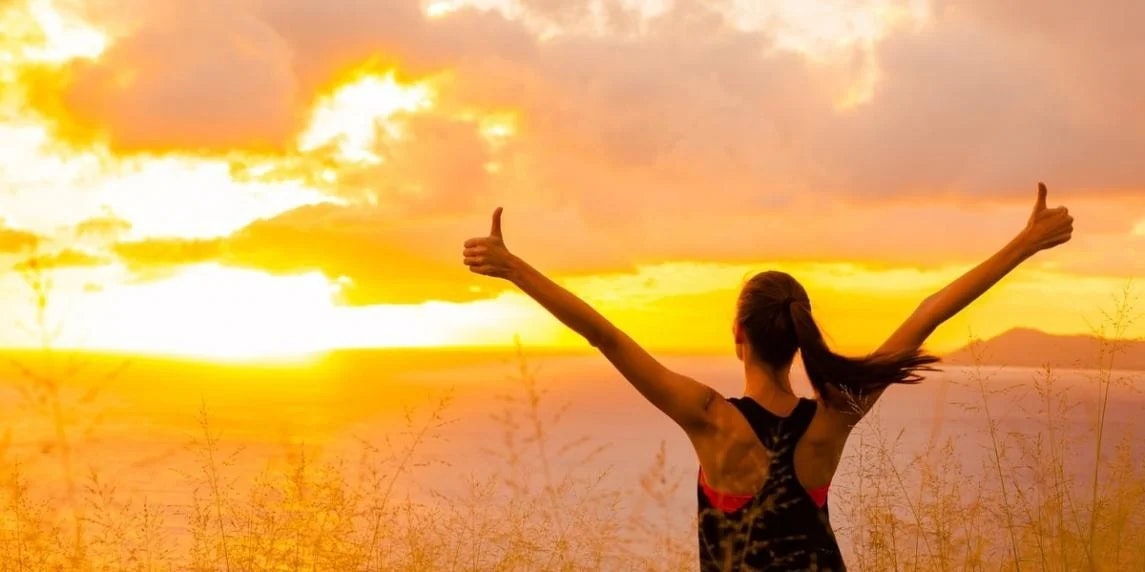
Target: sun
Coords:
[[211, 312]]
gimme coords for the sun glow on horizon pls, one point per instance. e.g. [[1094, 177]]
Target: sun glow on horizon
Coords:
[[218, 313]]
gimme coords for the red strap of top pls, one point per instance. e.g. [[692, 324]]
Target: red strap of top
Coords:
[[731, 502]]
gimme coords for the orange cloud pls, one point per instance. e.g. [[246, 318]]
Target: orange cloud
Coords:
[[382, 256], [379, 255], [379, 260], [686, 100], [197, 75], [680, 136], [437, 166]]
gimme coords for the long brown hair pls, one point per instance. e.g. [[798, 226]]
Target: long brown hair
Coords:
[[774, 312]]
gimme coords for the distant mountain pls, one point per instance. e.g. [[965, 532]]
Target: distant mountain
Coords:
[[1024, 347]]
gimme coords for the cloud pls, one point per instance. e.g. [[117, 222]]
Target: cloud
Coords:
[[380, 256], [168, 252], [976, 105], [437, 166], [680, 135], [15, 241], [379, 260], [965, 104], [67, 258], [386, 260], [197, 75], [106, 227]]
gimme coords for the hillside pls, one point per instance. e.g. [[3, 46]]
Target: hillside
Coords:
[[1032, 348]]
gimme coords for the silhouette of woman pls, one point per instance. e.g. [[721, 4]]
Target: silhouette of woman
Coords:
[[767, 458]]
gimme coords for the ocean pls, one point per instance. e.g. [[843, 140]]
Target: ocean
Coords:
[[138, 427]]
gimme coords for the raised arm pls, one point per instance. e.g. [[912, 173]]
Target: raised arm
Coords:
[[685, 400], [1045, 229]]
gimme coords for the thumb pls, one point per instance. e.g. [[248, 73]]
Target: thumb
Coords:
[[1042, 192], [496, 231]]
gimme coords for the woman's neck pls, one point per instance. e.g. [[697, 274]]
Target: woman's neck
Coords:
[[769, 388]]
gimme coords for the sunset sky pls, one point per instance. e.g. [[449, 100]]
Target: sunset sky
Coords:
[[238, 178]]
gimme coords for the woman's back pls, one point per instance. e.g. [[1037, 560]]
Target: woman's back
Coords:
[[782, 527]]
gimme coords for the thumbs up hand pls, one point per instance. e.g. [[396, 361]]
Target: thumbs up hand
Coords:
[[1047, 227], [488, 255]]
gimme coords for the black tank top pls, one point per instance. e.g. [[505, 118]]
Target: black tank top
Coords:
[[781, 528]]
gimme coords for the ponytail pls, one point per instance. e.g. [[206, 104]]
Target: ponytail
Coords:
[[851, 378]]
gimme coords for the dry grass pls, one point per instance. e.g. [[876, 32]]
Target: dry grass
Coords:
[[306, 510], [1027, 507]]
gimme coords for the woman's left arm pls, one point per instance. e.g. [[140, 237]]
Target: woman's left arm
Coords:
[[685, 400]]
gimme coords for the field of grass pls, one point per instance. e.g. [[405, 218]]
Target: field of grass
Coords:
[[1025, 509]]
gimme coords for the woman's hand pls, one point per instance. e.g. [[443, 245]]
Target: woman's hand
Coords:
[[1046, 228], [488, 255]]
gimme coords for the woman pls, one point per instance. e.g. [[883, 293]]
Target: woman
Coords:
[[767, 458]]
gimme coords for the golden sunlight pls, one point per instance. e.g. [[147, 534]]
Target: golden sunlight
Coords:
[[212, 312], [690, 306], [349, 118], [172, 195], [198, 198], [496, 128], [441, 8], [221, 313], [59, 36], [218, 313]]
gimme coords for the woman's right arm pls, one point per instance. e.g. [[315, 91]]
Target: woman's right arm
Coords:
[[946, 303], [1045, 229]]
